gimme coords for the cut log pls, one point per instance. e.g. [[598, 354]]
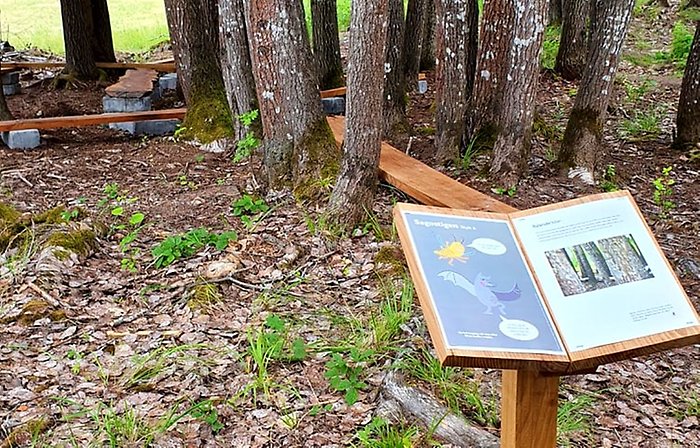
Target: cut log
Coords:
[[91, 120], [133, 84], [397, 398]]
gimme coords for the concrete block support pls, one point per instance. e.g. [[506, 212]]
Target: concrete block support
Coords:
[[25, 139], [10, 78], [334, 105], [112, 104], [167, 82], [11, 89], [151, 127]]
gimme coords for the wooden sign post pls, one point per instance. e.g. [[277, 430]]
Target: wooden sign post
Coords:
[[530, 383]]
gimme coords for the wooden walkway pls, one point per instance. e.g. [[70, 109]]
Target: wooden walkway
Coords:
[[90, 120]]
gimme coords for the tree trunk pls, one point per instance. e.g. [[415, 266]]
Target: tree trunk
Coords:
[[76, 16], [102, 45], [456, 40], [568, 279], [394, 104], [513, 123], [413, 42], [582, 143], [573, 44], [236, 67], [427, 57], [688, 118], [586, 268], [496, 36], [299, 148], [357, 182], [604, 275], [324, 16], [556, 12], [193, 26], [5, 113]]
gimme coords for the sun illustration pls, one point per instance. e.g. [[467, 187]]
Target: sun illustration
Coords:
[[451, 252]]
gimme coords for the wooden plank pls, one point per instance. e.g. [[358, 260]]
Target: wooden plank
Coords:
[[423, 183], [133, 84], [529, 410], [91, 120], [161, 67]]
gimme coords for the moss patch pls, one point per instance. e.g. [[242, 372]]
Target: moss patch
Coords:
[[392, 256], [82, 241], [208, 119], [35, 310], [317, 159]]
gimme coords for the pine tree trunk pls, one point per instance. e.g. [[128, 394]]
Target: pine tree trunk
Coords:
[[456, 39], [568, 279], [496, 36], [582, 143], [236, 67], [299, 148], [427, 58], [102, 45], [586, 268], [604, 274], [357, 182], [573, 44], [688, 118], [513, 123], [193, 26], [77, 36], [413, 42], [394, 104], [324, 16]]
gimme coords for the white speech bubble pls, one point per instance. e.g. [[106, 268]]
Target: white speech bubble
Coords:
[[488, 246], [519, 330]]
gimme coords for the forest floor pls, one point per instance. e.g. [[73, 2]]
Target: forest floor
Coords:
[[283, 336]]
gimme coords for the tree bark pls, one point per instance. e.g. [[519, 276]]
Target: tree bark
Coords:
[[688, 118], [556, 12], [102, 45], [496, 36], [586, 268], [568, 279], [596, 256], [326, 40], [299, 148], [513, 123], [582, 143], [236, 67], [193, 26], [456, 40], [357, 183], [5, 113], [427, 58], [413, 42], [76, 17], [394, 104], [573, 44]]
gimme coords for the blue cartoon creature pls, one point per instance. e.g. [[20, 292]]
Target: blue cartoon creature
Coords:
[[482, 290]]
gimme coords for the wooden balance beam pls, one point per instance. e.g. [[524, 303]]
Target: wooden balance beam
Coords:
[[158, 66], [91, 120], [342, 91]]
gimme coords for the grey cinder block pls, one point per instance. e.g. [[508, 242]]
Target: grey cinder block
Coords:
[[151, 127], [11, 89], [422, 86], [10, 78], [24, 139], [114, 104], [167, 82], [334, 105]]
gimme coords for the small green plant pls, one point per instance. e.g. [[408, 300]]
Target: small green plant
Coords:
[[636, 92], [681, 41], [510, 191], [179, 132], [184, 181], [70, 214], [394, 312], [199, 158], [249, 209], [609, 179], [247, 144], [187, 244], [646, 125], [131, 254], [206, 412], [573, 417], [345, 375], [77, 356], [470, 152], [663, 190], [380, 434]]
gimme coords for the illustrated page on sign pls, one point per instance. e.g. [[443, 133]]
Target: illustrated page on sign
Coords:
[[602, 274], [480, 286]]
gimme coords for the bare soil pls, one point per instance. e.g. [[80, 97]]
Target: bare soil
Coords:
[[138, 342]]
